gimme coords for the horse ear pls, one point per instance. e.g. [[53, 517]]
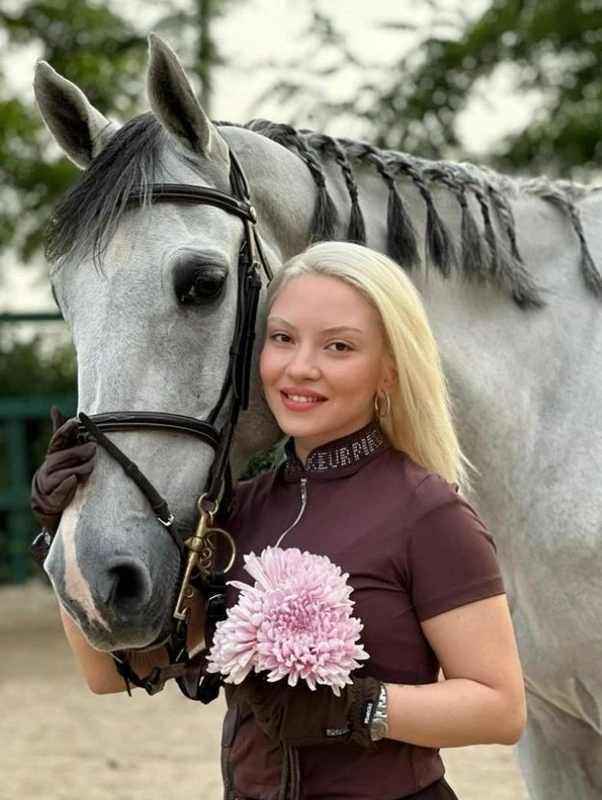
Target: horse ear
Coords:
[[174, 103], [79, 129]]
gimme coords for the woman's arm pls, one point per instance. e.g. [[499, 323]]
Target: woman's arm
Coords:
[[482, 698], [99, 668]]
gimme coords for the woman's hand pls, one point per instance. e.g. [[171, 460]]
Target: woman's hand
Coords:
[[67, 464], [298, 715]]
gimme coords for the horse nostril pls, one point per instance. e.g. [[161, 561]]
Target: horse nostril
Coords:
[[127, 584]]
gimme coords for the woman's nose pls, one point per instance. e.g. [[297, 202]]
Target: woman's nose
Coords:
[[303, 364]]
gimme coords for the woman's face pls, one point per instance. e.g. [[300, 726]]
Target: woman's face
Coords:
[[323, 360]]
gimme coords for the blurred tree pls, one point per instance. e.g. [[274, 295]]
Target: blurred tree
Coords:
[[190, 29], [548, 48], [32, 368], [549, 51], [96, 49], [102, 51]]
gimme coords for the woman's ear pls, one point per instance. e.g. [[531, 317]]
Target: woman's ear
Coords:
[[389, 375]]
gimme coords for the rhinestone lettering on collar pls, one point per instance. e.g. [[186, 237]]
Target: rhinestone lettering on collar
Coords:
[[333, 457]]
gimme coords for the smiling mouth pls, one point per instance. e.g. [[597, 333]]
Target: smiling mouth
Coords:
[[301, 398]]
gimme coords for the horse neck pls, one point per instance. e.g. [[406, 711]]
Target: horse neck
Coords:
[[491, 334]]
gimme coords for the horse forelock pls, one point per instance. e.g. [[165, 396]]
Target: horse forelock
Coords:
[[89, 213]]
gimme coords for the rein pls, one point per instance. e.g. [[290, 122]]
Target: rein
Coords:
[[197, 552]]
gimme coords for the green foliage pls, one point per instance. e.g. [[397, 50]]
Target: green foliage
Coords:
[[265, 461], [29, 368], [98, 50], [103, 52], [549, 50]]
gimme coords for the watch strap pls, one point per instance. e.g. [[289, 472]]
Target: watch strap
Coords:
[[379, 723]]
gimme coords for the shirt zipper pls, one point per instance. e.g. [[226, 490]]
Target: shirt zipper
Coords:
[[303, 487]]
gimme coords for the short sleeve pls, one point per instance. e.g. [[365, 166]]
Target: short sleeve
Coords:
[[451, 557]]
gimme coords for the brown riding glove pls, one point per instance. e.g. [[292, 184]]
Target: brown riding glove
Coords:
[[54, 484], [298, 716]]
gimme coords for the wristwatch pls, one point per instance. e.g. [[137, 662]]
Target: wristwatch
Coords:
[[378, 726]]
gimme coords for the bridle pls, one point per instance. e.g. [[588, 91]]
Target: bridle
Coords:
[[197, 552]]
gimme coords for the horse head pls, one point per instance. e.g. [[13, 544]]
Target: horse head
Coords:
[[149, 292]]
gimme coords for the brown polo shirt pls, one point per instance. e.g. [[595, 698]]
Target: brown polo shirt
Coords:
[[413, 548]]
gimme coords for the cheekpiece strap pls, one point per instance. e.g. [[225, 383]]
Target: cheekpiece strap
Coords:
[[215, 592], [195, 682]]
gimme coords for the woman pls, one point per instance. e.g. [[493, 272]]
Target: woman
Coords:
[[351, 373]]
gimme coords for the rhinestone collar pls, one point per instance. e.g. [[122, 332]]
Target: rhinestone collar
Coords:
[[338, 458]]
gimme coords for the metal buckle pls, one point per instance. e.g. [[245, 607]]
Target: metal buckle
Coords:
[[202, 551]]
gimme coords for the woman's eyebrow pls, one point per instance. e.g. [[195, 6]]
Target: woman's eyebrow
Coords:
[[343, 329], [330, 331], [281, 321]]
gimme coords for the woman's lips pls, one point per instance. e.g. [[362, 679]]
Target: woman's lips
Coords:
[[301, 401]]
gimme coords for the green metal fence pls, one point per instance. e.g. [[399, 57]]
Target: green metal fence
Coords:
[[15, 413], [18, 415]]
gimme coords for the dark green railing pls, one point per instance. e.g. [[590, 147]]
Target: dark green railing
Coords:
[[15, 414], [34, 316]]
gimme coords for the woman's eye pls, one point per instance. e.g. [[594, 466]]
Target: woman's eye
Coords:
[[339, 347], [281, 338]]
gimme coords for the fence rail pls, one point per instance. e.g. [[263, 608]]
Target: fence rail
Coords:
[[30, 316]]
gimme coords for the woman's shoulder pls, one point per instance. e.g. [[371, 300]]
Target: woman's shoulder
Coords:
[[422, 487], [433, 503]]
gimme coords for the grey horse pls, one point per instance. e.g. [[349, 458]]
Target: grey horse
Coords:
[[507, 271]]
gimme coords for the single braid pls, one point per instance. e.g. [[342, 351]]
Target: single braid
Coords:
[[473, 253], [356, 231], [439, 243], [325, 218], [589, 272]]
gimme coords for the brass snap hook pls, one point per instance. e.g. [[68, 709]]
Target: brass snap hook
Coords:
[[202, 547]]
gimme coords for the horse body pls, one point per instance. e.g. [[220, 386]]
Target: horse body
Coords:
[[526, 390], [525, 385]]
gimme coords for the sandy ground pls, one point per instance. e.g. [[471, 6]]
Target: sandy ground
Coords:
[[60, 742]]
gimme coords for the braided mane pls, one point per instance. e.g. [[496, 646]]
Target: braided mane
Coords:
[[496, 259], [89, 213]]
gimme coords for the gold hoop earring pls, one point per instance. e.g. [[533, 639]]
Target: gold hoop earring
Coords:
[[377, 410]]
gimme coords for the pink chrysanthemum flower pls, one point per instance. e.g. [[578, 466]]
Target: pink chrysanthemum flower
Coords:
[[294, 623]]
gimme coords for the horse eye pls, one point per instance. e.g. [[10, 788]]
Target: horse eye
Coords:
[[199, 288]]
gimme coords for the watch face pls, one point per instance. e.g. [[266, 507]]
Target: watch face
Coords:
[[378, 729]]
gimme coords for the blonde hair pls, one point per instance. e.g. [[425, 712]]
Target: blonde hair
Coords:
[[420, 420]]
